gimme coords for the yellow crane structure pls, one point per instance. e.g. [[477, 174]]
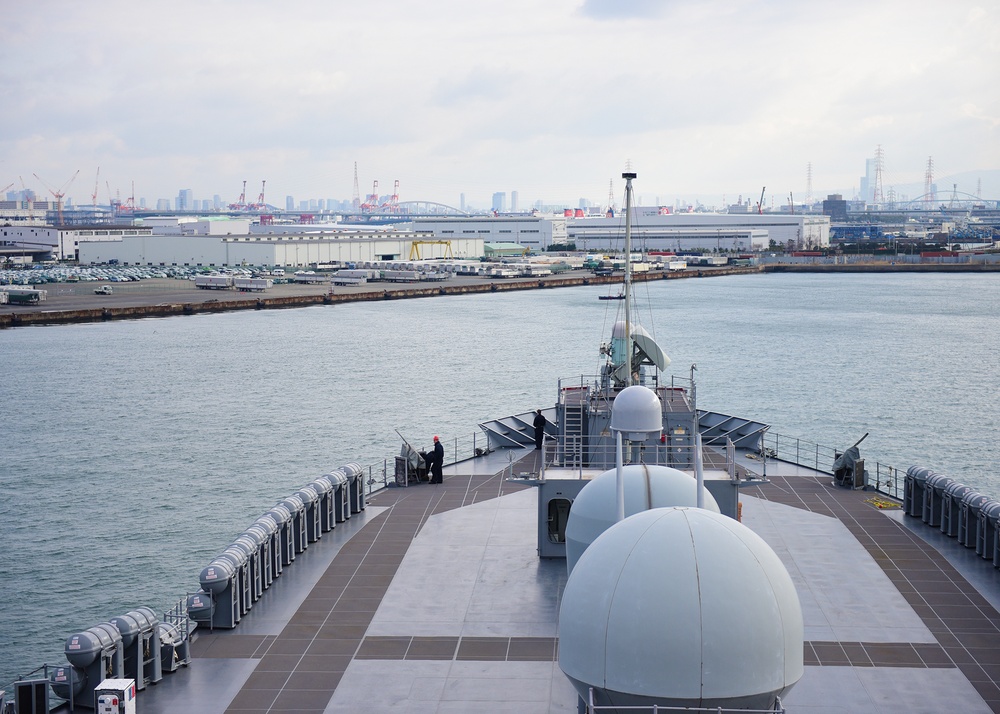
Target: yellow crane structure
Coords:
[[415, 248]]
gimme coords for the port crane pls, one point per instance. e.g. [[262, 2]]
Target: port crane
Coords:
[[241, 204], [58, 194], [392, 205], [415, 248], [93, 196], [371, 202], [129, 205], [260, 205], [113, 204], [760, 203]]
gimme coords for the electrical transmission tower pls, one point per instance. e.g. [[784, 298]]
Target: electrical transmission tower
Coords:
[[356, 202], [929, 198], [809, 183], [878, 196]]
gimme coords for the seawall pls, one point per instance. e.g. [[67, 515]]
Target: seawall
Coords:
[[226, 301], [180, 302], [881, 267]]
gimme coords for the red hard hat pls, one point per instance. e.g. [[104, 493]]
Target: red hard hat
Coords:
[[436, 439]]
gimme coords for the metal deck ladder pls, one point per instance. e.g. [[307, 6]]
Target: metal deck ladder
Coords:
[[573, 436]]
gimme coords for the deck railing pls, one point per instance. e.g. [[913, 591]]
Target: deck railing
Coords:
[[655, 708], [379, 474], [575, 453], [881, 477]]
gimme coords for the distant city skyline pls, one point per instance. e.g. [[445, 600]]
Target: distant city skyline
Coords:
[[986, 182], [707, 99]]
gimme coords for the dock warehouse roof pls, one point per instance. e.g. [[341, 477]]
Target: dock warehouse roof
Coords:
[[306, 247], [702, 231]]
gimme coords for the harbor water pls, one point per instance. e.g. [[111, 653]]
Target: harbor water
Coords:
[[132, 452]]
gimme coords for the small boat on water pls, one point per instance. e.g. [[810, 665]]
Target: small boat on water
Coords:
[[619, 296]]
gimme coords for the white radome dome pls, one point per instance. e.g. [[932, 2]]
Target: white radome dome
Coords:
[[681, 607], [647, 486]]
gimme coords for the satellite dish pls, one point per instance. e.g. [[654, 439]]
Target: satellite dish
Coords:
[[649, 350]]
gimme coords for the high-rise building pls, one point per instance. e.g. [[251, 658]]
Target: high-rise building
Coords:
[[185, 200], [866, 191], [836, 207], [289, 203], [513, 201], [217, 202], [500, 201], [461, 201]]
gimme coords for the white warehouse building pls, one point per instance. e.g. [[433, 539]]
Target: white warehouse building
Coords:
[[535, 233], [63, 242], [679, 231], [233, 243], [702, 231]]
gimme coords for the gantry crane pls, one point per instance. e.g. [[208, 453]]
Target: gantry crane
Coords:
[[371, 203], [415, 248], [392, 205], [58, 194], [240, 205], [260, 205]]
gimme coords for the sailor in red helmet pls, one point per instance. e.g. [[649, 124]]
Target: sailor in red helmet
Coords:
[[437, 461]]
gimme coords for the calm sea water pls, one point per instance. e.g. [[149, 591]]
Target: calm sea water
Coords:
[[133, 452]]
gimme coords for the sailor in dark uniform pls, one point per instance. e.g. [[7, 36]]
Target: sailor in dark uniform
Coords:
[[539, 424], [437, 461]]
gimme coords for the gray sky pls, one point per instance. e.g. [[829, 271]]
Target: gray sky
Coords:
[[547, 97]]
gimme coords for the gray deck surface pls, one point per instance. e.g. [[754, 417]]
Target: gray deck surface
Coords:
[[434, 600]]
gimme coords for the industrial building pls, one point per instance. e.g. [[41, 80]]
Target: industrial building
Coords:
[[63, 242], [222, 241], [651, 229], [702, 231], [535, 233], [237, 242]]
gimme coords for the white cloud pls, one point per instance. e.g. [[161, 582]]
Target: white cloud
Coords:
[[714, 97]]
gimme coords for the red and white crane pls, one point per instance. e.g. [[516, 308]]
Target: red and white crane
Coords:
[[371, 202], [93, 196], [392, 205], [260, 205], [58, 194], [240, 205]]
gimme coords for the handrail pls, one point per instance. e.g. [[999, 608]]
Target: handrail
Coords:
[[460, 448], [778, 708], [881, 477]]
